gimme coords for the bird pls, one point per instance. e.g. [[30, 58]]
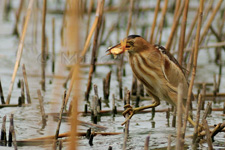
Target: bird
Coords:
[[156, 68]]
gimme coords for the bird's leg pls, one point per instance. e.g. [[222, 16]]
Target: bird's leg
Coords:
[[132, 111], [191, 121]]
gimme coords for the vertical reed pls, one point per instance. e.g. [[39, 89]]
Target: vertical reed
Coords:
[[161, 23], [197, 119], [12, 134], [154, 21], [114, 109], [15, 30], [182, 33], [194, 66], [26, 84], [60, 120], [207, 111], [73, 37], [43, 43], [3, 141], [208, 137], [22, 92], [180, 139], [169, 142], [203, 95], [43, 116], [99, 14], [106, 85], [208, 24], [91, 4], [174, 26], [53, 45], [126, 131], [1, 93], [20, 49], [147, 143]]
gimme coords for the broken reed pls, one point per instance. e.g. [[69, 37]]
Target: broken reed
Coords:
[[43, 46], [195, 52], [20, 49]]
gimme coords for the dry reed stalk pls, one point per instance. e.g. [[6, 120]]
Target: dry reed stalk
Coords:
[[26, 84], [43, 43], [94, 112], [67, 134], [134, 86], [131, 7], [207, 10], [121, 64], [119, 77], [208, 137], [169, 142], [180, 139], [126, 130], [43, 116], [20, 49], [3, 132], [35, 24], [96, 90], [91, 4], [96, 36], [154, 21], [8, 105], [208, 24], [1, 93], [15, 30], [106, 85], [53, 45], [174, 116], [147, 143], [114, 109], [191, 28], [194, 67], [177, 6], [218, 37], [174, 26], [73, 44], [182, 33], [161, 23], [207, 111], [224, 108], [22, 92], [214, 45], [197, 119], [95, 47], [203, 95], [209, 7], [12, 135], [60, 116], [86, 45]]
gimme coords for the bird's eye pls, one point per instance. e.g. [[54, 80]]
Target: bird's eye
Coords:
[[131, 43]]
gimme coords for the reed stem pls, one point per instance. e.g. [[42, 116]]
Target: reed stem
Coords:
[[20, 49]]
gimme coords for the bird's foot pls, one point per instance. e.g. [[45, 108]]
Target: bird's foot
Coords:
[[129, 110]]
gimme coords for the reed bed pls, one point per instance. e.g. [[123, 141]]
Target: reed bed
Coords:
[[83, 83]]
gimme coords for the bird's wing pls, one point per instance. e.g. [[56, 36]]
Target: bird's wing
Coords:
[[173, 79]]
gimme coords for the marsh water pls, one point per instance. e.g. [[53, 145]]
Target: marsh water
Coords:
[[27, 119]]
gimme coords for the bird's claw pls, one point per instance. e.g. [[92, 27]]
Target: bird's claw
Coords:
[[129, 110]]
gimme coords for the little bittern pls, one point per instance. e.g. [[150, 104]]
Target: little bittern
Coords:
[[156, 68]]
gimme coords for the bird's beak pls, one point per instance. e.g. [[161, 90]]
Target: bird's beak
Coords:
[[119, 48]]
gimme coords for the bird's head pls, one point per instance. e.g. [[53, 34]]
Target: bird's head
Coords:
[[132, 44]]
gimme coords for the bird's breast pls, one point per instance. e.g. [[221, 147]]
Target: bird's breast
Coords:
[[147, 72]]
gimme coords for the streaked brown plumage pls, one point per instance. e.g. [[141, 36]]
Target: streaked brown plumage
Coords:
[[157, 69]]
